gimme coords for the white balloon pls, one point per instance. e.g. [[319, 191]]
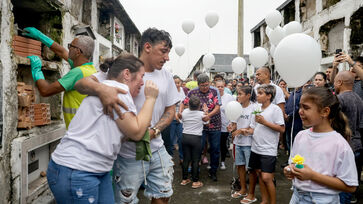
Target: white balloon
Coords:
[[292, 27], [179, 49], [233, 110], [211, 19], [239, 65], [268, 31], [188, 26], [277, 35], [297, 58], [258, 56], [272, 50], [273, 19], [208, 60]]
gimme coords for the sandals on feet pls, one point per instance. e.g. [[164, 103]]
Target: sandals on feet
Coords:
[[196, 185], [237, 194], [185, 182], [248, 201]]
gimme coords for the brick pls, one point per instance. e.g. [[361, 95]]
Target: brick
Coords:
[[29, 50], [26, 54], [26, 40], [25, 45], [24, 99]]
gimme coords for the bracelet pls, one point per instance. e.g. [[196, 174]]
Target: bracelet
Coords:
[[352, 65]]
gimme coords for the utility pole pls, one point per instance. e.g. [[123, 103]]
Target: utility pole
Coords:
[[240, 28]]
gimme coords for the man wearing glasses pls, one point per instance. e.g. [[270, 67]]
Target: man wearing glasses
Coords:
[[79, 54]]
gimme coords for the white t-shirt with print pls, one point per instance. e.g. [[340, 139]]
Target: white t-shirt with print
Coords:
[[327, 153], [264, 139], [93, 139], [279, 96], [244, 121], [192, 122], [226, 98], [168, 96]]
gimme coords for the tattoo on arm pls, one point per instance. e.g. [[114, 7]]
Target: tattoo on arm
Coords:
[[166, 118]]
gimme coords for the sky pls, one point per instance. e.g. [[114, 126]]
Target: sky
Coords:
[[222, 38]]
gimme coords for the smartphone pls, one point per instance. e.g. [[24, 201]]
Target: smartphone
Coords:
[[338, 51]]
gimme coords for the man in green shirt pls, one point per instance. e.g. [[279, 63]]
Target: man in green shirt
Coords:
[[79, 56]]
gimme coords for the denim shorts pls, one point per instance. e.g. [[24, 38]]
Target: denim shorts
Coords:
[[242, 155], [304, 197], [157, 175], [74, 186]]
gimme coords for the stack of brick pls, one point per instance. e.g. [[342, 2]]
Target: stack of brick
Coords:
[[29, 113], [41, 114], [25, 47], [26, 98]]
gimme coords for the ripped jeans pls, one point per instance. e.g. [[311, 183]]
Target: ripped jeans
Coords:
[[157, 174], [73, 186]]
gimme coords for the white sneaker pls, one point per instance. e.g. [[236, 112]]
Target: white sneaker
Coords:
[[209, 167], [223, 166]]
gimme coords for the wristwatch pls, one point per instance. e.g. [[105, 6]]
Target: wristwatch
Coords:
[[156, 131]]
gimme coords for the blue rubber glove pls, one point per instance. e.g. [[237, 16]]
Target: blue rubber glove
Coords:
[[36, 34], [36, 65]]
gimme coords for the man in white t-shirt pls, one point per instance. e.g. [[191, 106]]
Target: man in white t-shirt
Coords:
[[129, 173], [263, 76]]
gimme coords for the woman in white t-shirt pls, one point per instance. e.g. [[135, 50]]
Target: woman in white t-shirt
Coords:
[[79, 168], [176, 127], [329, 166], [193, 120]]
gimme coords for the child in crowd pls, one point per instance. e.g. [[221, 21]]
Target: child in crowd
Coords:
[[193, 120], [242, 139], [266, 128], [329, 166]]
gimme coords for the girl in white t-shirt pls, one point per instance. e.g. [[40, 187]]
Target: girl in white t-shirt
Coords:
[[79, 167], [193, 120], [329, 166], [242, 138]]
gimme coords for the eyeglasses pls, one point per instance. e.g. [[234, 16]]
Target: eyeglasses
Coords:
[[70, 45]]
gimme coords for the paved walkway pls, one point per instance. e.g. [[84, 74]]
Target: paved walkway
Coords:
[[219, 192]]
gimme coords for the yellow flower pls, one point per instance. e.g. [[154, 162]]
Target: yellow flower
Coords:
[[298, 159]]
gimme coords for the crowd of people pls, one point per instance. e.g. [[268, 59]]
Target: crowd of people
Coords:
[[124, 133]]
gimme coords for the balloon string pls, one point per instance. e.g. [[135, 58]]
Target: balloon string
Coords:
[[188, 50], [292, 132], [209, 40], [293, 123]]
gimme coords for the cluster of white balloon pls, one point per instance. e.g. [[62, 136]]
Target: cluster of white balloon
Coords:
[[211, 19], [297, 56]]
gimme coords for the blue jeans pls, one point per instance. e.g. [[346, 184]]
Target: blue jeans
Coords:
[[242, 155], [214, 140], [303, 197], [157, 174], [176, 134], [73, 186]]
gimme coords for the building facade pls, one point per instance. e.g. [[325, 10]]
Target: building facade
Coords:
[[335, 24], [25, 152]]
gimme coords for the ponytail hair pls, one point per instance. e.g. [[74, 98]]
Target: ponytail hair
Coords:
[[323, 97], [113, 67], [248, 90]]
